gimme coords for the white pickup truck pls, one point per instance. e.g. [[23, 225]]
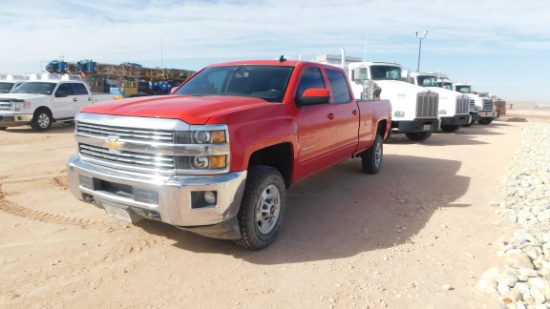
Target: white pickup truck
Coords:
[[42, 102]]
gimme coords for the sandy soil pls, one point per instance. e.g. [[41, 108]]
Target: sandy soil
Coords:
[[417, 235]]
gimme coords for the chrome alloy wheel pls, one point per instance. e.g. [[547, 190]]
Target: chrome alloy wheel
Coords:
[[378, 154], [268, 207], [43, 120]]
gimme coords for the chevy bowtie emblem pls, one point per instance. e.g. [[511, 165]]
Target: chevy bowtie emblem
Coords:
[[113, 144]]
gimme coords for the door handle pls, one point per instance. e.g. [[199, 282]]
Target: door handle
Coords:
[[330, 116], [354, 112], [75, 99]]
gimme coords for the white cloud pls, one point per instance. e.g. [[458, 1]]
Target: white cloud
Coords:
[[126, 30]]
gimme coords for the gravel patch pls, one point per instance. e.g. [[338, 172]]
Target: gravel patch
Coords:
[[524, 282]]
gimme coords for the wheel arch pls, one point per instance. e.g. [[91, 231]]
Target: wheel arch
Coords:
[[278, 156]]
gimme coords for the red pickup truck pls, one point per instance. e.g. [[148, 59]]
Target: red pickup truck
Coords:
[[217, 156]]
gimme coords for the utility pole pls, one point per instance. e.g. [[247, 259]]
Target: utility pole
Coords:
[[420, 47]]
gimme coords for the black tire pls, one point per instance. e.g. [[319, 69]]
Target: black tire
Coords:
[[450, 127], [42, 120], [419, 136], [485, 121], [2, 128], [262, 207], [372, 158]]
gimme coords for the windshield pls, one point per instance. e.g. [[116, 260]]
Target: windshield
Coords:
[[464, 89], [445, 85], [381, 72], [260, 81], [427, 81], [5, 87], [36, 88]]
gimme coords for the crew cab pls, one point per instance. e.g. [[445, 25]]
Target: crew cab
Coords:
[[217, 156], [41, 102]]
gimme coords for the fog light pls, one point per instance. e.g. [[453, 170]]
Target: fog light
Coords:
[[210, 197]]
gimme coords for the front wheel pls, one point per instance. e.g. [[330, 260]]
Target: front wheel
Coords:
[[419, 136], [485, 121], [450, 127], [262, 207], [2, 128], [372, 158], [42, 120]]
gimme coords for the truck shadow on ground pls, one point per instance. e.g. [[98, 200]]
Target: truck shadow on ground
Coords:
[[56, 128], [343, 212]]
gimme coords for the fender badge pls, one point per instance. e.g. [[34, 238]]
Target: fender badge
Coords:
[[113, 144]]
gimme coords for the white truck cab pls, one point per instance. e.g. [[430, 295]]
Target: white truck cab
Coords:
[[415, 109], [40, 102], [9, 82], [453, 105], [482, 107]]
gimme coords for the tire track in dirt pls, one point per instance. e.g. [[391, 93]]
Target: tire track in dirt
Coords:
[[135, 245]]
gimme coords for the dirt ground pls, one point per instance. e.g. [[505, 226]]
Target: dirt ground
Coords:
[[417, 235]]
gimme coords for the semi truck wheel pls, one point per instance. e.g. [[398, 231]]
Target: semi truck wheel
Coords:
[[450, 127], [419, 136], [262, 207], [372, 158], [2, 128], [485, 121], [42, 120]]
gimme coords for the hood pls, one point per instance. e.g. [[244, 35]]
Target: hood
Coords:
[[399, 87], [447, 94], [191, 109], [21, 96]]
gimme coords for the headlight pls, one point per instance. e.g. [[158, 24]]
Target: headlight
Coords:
[[201, 137], [202, 162], [443, 112], [399, 114], [18, 106]]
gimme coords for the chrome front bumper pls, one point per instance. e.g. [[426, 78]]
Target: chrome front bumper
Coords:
[[456, 120], [14, 119], [492, 114], [170, 197]]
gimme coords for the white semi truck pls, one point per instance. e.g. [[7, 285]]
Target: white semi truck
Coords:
[[453, 105], [415, 109], [482, 108]]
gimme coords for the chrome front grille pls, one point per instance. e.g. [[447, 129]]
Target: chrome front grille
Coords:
[[147, 161], [462, 106], [5, 106], [427, 105], [127, 134], [487, 105]]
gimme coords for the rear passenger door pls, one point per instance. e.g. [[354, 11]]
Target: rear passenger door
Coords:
[[345, 123], [80, 97]]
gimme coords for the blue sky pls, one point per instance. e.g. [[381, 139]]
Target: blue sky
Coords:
[[501, 47]]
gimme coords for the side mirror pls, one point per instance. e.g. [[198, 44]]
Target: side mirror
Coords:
[[313, 96], [61, 94]]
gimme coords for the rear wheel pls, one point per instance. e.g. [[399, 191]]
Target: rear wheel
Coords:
[[2, 128], [372, 158], [450, 127], [485, 121], [419, 136], [42, 120], [262, 207]]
